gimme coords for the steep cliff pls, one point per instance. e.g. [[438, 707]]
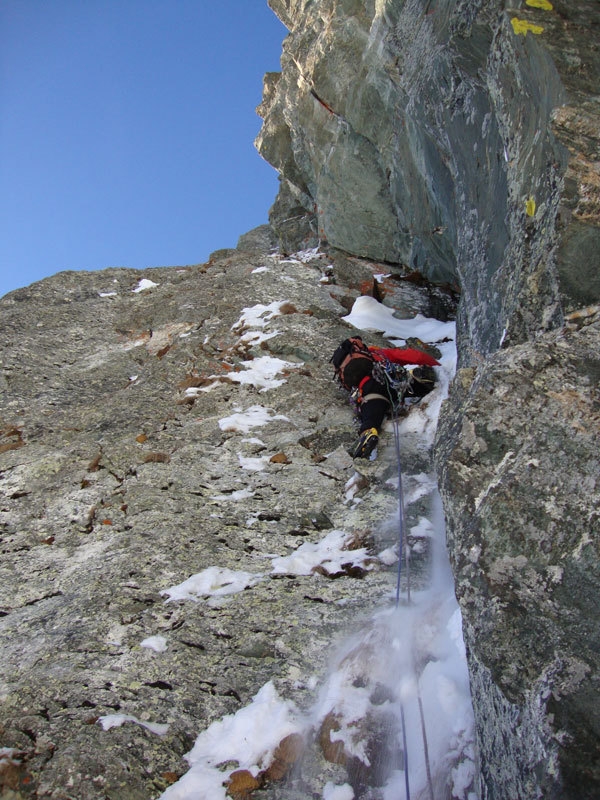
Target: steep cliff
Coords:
[[460, 140], [181, 424]]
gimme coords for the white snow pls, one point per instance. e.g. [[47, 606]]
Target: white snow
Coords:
[[212, 582], [235, 496], [156, 643], [423, 529], [253, 463], [258, 316], [385, 655], [331, 791], [388, 556], [416, 486], [256, 338], [248, 737], [116, 720], [303, 256], [329, 553], [352, 486], [144, 285], [261, 372], [369, 315], [252, 417], [194, 391]]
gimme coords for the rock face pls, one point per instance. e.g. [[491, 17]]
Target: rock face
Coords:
[[518, 452], [456, 141], [461, 140], [156, 426]]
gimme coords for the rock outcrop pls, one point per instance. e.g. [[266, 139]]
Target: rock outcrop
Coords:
[[461, 141], [518, 456]]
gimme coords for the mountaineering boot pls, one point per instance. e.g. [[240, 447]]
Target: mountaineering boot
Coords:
[[366, 443]]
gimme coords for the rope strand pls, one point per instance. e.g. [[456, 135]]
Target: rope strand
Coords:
[[403, 549], [405, 746], [400, 511], [425, 743]]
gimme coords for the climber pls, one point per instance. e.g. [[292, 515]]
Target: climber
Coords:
[[378, 382]]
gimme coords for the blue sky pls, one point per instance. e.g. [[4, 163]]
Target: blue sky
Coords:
[[127, 129]]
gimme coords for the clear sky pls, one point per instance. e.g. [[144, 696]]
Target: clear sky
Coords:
[[127, 129]]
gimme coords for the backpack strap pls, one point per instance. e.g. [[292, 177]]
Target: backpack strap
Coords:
[[341, 372], [350, 350]]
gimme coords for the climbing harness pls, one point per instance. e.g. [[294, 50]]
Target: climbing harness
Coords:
[[396, 380]]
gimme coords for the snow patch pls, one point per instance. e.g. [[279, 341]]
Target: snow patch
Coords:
[[156, 643], [211, 582], [144, 285], [259, 315], [332, 791], [252, 417], [116, 720], [261, 372], [370, 315], [330, 553], [256, 338], [238, 494], [247, 738], [253, 463]]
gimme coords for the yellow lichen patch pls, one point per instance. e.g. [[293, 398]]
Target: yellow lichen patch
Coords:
[[530, 207], [521, 26], [543, 4]]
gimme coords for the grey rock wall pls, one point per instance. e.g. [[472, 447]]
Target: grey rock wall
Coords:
[[457, 140], [518, 458], [433, 135], [461, 140], [119, 479]]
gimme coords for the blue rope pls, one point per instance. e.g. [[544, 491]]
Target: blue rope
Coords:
[[401, 536]]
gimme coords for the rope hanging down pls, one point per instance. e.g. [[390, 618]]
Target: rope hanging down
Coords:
[[403, 549]]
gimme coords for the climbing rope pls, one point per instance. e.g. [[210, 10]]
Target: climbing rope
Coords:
[[425, 743], [405, 746], [395, 401], [401, 534], [403, 549]]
